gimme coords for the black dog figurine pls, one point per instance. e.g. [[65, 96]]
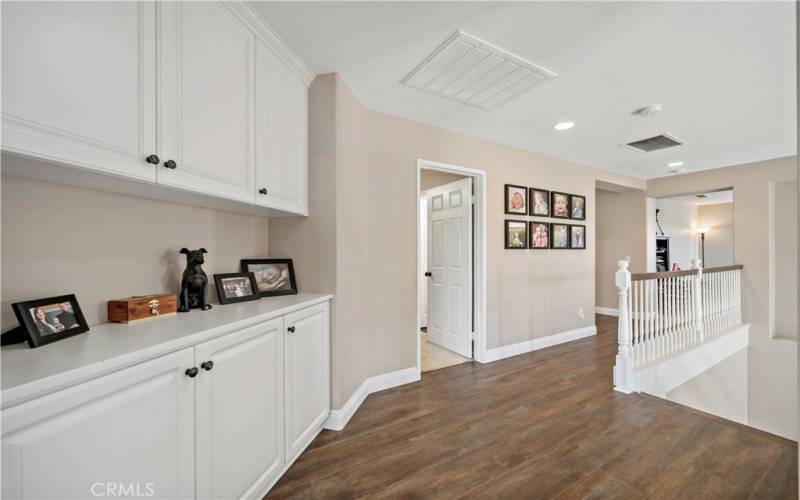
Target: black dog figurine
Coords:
[[194, 282]]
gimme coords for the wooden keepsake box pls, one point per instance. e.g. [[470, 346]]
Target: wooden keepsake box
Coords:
[[141, 307]]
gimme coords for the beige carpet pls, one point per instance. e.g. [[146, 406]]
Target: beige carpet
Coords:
[[435, 357]]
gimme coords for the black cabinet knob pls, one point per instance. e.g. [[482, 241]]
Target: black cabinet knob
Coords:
[[153, 159], [192, 372], [428, 274], [207, 365], [291, 329], [171, 164], [263, 190]]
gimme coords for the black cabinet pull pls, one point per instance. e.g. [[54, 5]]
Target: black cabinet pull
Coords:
[[263, 190], [192, 372], [291, 329], [153, 160], [171, 164], [207, 365], [428, 274]]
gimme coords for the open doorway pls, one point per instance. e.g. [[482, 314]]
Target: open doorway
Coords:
[[449, 265]]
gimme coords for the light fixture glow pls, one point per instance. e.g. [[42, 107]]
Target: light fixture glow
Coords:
[[675, 164], [702, 230], [564, 125]]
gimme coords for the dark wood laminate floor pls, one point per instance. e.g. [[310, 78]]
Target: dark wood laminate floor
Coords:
[[542, 425]]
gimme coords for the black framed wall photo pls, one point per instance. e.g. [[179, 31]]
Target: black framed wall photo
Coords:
[[577, 207], [540, 235], [559, 205], [516, 235], [49, 320], [577, 237], [516, 200], [273, 276], [236, 287], [559, 236], [539, 202]]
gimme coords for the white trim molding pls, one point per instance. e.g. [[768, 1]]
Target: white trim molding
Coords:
[[508, 351], [339, 418], [608, 311]]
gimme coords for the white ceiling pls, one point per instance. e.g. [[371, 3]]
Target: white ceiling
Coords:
[[724, 72], [713, 198]]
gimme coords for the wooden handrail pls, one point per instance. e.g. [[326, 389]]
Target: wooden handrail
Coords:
[[687, 272]]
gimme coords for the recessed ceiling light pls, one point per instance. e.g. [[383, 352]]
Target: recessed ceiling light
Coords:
[[675, 164], [564, 125]]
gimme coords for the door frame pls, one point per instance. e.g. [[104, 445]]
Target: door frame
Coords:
[[478, 257]]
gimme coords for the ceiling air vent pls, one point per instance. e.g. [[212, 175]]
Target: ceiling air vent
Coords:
[[473, 72], [662, 141]]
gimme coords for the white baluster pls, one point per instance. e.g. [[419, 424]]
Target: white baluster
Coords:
[[698, 299]]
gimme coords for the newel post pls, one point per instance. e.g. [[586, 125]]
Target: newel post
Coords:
[[698, 299], [623, 369]]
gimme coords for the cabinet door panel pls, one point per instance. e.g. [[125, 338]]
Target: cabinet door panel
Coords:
[[307, 377], [281, 134], [133, 429], [206, 99], [240, 412], [79, 83]]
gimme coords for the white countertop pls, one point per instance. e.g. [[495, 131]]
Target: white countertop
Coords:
[[27, 372]]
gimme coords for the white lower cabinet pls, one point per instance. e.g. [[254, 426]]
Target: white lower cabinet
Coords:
[[221, 419], [132, 430], [239, 424]]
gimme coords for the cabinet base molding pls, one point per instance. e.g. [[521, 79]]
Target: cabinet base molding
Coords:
[[260, 491], [338, 418]]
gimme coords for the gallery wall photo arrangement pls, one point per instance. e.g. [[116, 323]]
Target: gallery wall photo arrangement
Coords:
[[236, 287], [559, 205], [516, 200], [577, 237], [540, 235], [559, 234], [273, 276], [539, 202], [49, 320], [516, 234]]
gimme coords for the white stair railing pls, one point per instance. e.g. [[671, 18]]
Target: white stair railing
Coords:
[[661, 314]]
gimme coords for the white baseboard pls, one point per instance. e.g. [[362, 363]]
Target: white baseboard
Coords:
[[606, 310], [533, 345], [337, 419]]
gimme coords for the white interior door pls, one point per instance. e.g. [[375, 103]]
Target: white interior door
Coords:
[[450, 266], [422, 292]]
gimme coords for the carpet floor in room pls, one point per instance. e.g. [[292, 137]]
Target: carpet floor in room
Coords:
[[546, 424], [435, 357]]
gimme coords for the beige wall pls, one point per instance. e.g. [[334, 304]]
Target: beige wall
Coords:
[[719, 240], [678, 219], [433, 178], [772, 363], [784, 248], [621, 226], [375, 158], [102, 246]]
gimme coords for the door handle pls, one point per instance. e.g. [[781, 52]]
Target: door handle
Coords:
[[428, 274]]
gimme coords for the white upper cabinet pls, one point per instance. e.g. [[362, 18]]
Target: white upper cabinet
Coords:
[[281, 134], [199, 97], [79, 84], [206, 100], [239, 415]]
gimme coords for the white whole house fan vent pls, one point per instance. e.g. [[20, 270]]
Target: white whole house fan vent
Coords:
[[662, 141], [473, 72]]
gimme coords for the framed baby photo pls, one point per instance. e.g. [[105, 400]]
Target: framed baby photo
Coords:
[[516, 234], [236, 287], [577, 207], [49, 320], [540, 235], [577, 237], [559, 205], [559, 236], [539, 202], [273, 276], [516, 200]]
